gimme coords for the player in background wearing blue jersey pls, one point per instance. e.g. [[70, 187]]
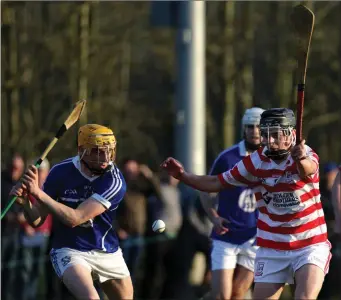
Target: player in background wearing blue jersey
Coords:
[[234, 232], [83, 193]]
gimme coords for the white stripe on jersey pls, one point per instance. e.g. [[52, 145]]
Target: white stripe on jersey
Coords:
[[111, 191], [293, 237], [114, 208], [243, 172], [294, 223], [290, 211], [103, 248], [114, 188], [69, 199]]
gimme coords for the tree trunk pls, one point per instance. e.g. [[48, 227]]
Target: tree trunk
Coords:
[[84, 55], [285, 64], [229, 68], [13, 65], [74, 60], [245, 76]]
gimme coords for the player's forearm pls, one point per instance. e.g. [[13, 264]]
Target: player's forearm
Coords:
[[306, 167], [204, 183], [32, 214], [65, 214]]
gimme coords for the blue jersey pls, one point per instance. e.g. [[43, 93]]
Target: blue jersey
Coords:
[[238, 204], [67, 184]]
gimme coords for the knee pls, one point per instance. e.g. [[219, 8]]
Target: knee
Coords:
[[217, 295], [222, 295], [129, 293], [238, 292], [239, 289], [128, 290], [304, 294], [122, 294]]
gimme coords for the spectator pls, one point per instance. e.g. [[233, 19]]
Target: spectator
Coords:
[[171, 212], [33, 242], [193, 237], [132, 214], [168, 209], [10, 228]]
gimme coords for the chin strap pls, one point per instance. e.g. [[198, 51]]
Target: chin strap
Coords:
[[96, 171], [279, 154]]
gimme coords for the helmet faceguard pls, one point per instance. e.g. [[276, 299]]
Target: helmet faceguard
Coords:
[[251, 119], [96, 147], [277, 128]]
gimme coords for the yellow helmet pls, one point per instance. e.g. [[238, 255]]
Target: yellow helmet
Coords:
[[92, 136]]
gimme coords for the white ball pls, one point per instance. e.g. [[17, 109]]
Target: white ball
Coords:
[[159, 226]]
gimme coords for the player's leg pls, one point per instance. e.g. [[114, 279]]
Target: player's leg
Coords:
[[272, 272], [242, 281], [310, 267], [118, 288], [72, 268], [244, 272], [221, 284], [77, 278], [264, 290], [309, 280], [224, 261], [113, 274]]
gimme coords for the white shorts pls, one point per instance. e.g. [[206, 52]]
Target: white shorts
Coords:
[[103, 266], [278, 266], [226, 256]]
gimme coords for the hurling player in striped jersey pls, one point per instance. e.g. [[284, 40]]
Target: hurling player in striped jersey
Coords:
[[291, 229], [83, 193], [234, 216]]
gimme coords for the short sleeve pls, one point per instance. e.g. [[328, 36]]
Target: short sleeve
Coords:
[[239, 175], [109, 190]]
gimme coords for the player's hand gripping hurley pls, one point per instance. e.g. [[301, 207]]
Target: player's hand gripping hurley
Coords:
[[302, 19], [72, 119]]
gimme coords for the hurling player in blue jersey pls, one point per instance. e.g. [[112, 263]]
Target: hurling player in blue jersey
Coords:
[[234, 232], [83, 193]]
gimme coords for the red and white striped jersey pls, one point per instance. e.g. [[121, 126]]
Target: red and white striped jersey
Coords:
[[290, 210]]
